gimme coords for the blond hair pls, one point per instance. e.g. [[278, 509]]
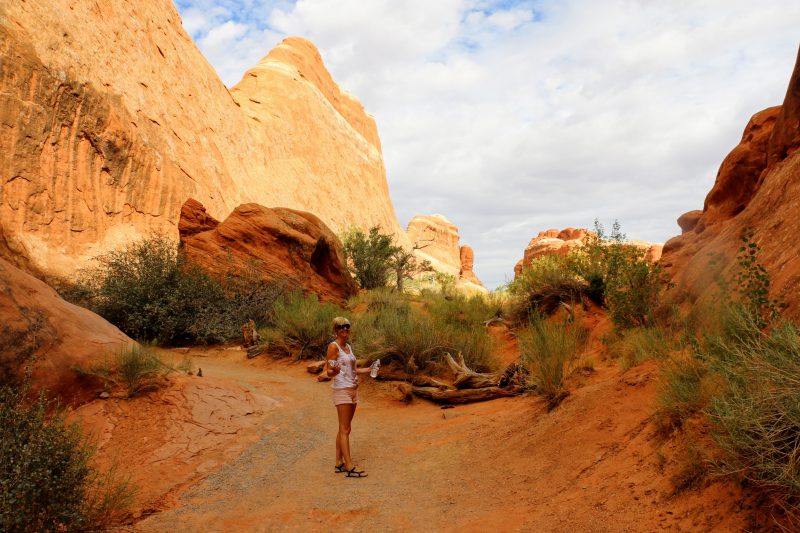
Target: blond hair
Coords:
[[340, 321]]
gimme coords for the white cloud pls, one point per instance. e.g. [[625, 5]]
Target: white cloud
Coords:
[[510, 118]]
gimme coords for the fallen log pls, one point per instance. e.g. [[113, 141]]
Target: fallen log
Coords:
[[465, 378], [465, 395], [393, 374]]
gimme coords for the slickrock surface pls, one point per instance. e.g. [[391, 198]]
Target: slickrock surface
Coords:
[[37, 326], [110, 118], [437, 240], [757, 187], [280, 244], [560, 242]]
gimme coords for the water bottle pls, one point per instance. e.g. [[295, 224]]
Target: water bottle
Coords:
[[373, 373]]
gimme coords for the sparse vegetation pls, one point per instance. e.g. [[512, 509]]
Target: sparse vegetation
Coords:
[[135, 368], [542, 286], [47, 482], [151, 292], [636, 345]]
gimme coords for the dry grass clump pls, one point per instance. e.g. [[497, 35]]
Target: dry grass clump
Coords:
[[301, 326], [542, 287], [136, 368], [637, 345], [550, 349]]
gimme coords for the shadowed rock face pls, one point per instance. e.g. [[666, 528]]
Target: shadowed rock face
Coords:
[[38, 327], [111, 118], [280, 244], [758, 186]]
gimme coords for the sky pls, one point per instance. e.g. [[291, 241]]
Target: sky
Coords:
[[512, 117]]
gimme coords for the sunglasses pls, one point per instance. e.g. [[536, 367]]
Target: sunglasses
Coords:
[[343, 326]]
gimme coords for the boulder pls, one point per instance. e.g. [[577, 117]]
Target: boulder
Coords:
[[54, 337], [280, 244]]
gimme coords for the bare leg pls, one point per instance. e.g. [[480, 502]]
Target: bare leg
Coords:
[[345, 412]]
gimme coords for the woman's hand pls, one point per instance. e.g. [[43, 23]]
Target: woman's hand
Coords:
[[333, 367]]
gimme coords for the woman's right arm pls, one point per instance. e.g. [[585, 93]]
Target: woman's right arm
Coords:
[[332, 355]]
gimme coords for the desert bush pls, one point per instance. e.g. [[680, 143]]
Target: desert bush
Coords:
[[618, 276], [464, 311], [19, 343], [46, 480], [302, 326], [410, 333], [150, 291], [752, 282], [542, 286], [369, 256], [550, 348], [756, 417]]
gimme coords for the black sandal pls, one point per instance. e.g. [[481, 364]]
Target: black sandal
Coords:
[[356, 473], [338, 469]]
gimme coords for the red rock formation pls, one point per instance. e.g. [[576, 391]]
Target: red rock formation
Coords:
[[467, 264], [437, 241], [38, 327], [561, 242], [757, 187], [111, 118], [282, 244]]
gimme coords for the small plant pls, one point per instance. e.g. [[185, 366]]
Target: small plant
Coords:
[[752, 281], [46, 479], [140, 368], [550, 349], [636, 345]]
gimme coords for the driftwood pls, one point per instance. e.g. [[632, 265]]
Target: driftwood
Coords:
[[465, 378], [254, 350], [465, 395], [392, 374], [250, 336]]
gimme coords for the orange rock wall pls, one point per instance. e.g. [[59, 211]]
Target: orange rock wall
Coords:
[[757, 186], [111, 118]]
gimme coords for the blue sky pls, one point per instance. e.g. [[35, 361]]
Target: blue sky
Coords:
[[514, 117]]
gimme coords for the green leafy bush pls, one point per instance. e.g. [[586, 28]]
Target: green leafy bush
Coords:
[[549, 349], [150, 291], [46, 480], [369, 256], [752, 282], [375, 259]]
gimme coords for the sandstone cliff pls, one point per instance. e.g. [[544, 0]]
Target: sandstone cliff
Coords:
[[111, 118], [757, 186], [279, 244], [436, 240]]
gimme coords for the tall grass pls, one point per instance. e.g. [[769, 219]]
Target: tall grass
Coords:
[[636, 345], [302, 326], [757, 416], [550, 349]]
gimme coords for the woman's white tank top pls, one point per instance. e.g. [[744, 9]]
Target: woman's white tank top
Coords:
[[347, 377]]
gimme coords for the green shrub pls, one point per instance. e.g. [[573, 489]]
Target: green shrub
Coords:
[[464, 311], [549, 349], [542, 286], [752, 282], [617, 276], [302, 326], [369, 256], [150, 291], [46, 480]]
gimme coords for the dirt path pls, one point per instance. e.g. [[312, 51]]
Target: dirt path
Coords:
[[505, 465]]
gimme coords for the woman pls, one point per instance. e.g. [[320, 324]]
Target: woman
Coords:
[[341, 366]]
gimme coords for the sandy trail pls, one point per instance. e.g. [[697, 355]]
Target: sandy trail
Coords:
[[505, 465]]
